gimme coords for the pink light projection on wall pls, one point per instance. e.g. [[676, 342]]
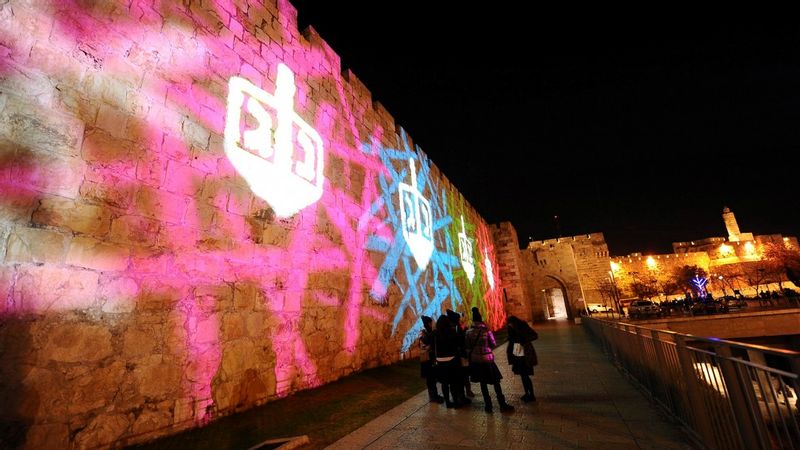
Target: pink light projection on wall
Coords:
[[192, 225], [493, 296]]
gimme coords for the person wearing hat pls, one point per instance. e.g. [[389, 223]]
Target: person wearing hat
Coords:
[[479, 343], [426, 358]]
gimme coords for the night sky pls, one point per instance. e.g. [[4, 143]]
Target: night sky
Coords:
[[643, 132]]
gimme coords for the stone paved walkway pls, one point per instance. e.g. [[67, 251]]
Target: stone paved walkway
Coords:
[[583, 402]]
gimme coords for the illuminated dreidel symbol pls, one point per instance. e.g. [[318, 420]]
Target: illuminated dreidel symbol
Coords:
[[417, 224], [487, 264], [465, 250], [281, 158]]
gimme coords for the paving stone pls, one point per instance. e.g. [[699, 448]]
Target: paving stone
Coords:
[[584, 403]]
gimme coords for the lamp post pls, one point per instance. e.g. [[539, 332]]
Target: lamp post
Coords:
[[722, 283]]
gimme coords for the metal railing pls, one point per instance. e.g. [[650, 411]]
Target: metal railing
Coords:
[[723, 392]]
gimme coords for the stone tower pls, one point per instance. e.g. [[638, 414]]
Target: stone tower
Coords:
[[731, 225]]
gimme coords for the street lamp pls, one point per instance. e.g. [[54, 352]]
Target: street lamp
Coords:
[[722, 283]]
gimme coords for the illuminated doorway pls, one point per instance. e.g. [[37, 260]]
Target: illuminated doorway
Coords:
[[555, 306]]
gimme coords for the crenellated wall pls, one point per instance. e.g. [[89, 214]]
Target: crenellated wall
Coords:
[[201, 212]]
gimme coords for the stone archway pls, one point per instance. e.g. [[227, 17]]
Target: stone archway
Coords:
[[556, 301]]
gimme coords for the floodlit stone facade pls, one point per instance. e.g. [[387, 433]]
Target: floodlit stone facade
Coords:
[[200, 212]]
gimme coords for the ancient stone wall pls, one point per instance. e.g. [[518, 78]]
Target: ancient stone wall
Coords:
[[578, 265], [512, 266], [201, 212], [630, 269]]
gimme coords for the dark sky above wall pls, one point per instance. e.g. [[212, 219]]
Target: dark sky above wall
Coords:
[[642, 131]]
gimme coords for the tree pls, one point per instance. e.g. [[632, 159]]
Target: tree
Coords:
[[684, 275], [755, 273], [782, 260], [729, 275]]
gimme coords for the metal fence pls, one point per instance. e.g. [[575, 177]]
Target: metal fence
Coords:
[[728, 395]]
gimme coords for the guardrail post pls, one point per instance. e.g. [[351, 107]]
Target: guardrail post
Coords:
[[692, 394], [743, 401]]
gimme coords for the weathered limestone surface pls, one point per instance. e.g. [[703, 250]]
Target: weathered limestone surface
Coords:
[[144, 288]]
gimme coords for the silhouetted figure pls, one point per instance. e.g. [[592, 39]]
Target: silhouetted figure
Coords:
[[448, 365], [459, 388], [426, 358], [521, 354], [479, 343]]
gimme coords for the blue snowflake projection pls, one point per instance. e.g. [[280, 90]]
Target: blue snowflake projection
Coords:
[[420, 257]]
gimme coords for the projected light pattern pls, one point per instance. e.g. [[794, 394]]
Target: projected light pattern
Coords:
[[425, 289], [415, 217], [487, 267], [228, 215], [492, 295], [265, 155], [465, 250]]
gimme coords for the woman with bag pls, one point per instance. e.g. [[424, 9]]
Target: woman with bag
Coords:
[[521, 354], [426, 359], [479, 343]]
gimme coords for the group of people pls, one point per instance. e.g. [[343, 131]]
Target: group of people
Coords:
[[455, 357]]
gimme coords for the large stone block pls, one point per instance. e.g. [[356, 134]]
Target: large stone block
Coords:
[[72, 215], [6, 288], [49, 435], [233, 326], [76, 342], [104, 186], [26, 245], [103, 147], [94, 254], [94, 388], [134, 230], [140, 341], [49, 289], [161, 205], [102, 431], [117, 294], [40, 130], [48, 173], [236, 358], [152, 420], [112, 120], [183, 179], [157, 376]]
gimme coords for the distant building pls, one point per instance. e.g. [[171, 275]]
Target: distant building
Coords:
[[558, 277]]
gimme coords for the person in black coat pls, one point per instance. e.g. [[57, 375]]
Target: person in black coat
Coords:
[[462, 387], [521, 354], [426, 358], [448, 363]]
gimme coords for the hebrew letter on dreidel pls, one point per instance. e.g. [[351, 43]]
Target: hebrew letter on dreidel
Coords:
[[465, 250]]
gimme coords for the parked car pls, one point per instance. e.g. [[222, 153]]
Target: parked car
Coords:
[[643, 308], [597, 307], [734, 303], [709, 307]]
